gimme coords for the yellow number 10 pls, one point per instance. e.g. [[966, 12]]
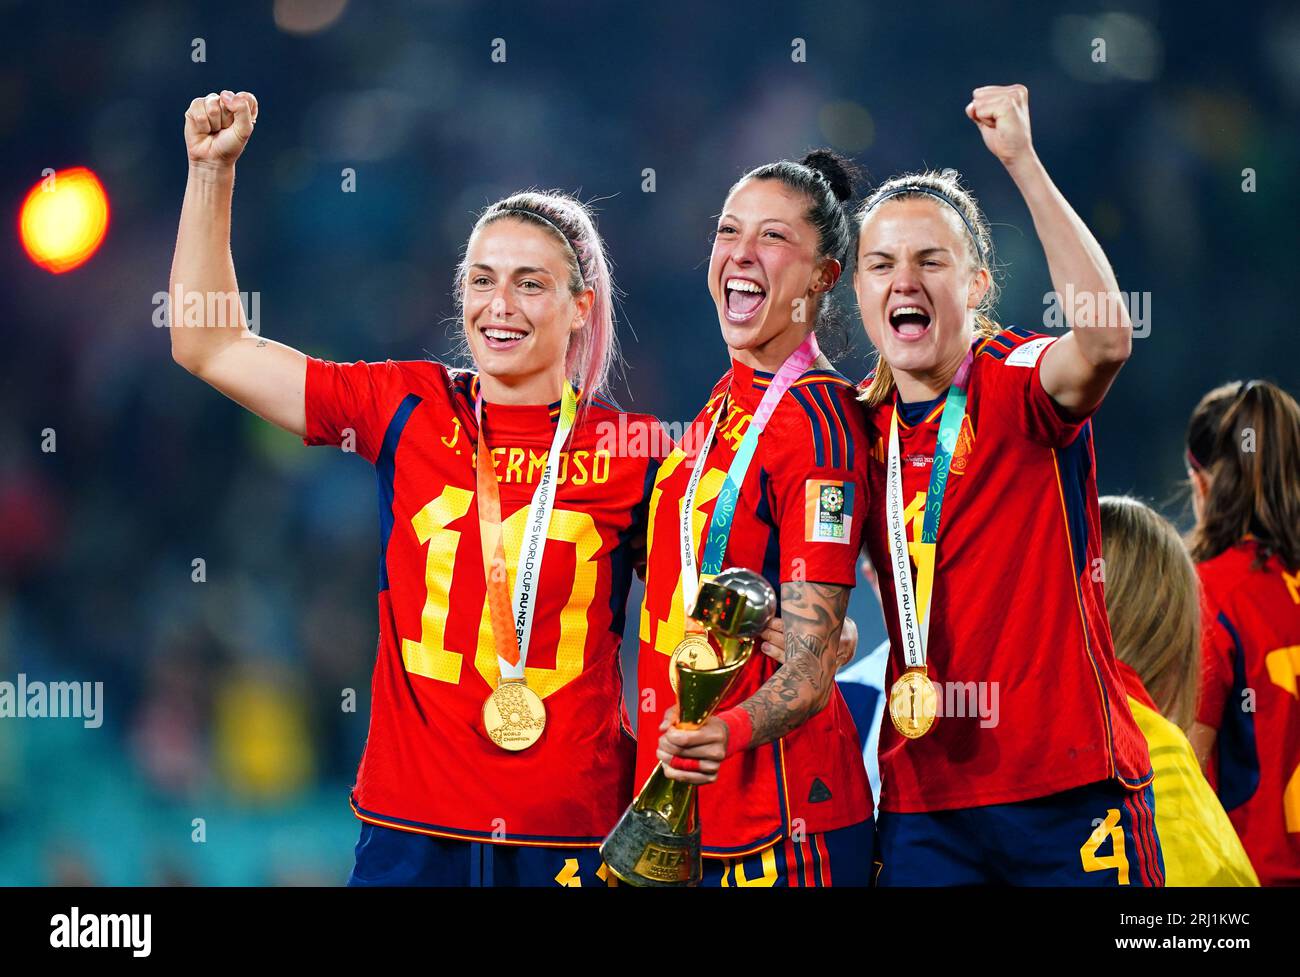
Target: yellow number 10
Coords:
[[431, 658], [669, 632]]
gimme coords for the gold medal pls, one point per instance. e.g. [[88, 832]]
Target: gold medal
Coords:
[[913, 704], [693, 651], [514, 716]]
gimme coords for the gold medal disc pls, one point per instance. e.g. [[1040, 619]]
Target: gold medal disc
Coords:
[[693, 651], [514, 716], [913, 704]]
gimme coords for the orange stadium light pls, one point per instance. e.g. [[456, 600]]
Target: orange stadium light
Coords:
[[64, 219]]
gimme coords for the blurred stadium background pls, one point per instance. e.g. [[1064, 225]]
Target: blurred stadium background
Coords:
[[223, 699]]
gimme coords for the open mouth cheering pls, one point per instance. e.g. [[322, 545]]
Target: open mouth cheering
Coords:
[[744, 299]]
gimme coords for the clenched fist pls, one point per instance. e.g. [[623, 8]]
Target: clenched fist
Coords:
[[1002, 114], [218, 127]]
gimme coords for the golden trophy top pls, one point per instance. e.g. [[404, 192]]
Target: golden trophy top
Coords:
[[737, 603]]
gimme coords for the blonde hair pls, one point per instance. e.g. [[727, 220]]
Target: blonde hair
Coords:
[[1153, 600], [593, 352], [945, 188]]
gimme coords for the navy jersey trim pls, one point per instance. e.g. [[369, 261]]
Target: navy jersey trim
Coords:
[[622, 564], [835, 423], [1075, 463], [764, 379], [914, 413], [461, 834], [837, 410], [1073, 508], [385, 467], [1236, 745], [736, 850], [772, 551], [819, 442]]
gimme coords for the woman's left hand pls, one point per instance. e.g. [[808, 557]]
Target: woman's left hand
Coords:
[[772, 642], [1002, 114]]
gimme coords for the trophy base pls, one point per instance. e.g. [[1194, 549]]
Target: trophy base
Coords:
[[641, 851]]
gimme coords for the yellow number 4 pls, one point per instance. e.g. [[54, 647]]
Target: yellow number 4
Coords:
[[1116, 859]]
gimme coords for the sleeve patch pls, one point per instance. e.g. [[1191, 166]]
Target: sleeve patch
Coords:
[[1027, 354], [828, 511]]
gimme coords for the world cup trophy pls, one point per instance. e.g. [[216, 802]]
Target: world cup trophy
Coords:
[[657, 840]]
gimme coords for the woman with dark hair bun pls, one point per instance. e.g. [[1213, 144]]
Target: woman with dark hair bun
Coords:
[[1243, 457], [776, 486]]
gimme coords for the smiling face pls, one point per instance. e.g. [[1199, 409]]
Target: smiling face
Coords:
[[764, 260], [918, 285], [519, 311]]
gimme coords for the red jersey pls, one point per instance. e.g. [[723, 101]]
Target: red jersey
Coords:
[[813, 778], [1251, 656], [1030, 700], [428, 764]]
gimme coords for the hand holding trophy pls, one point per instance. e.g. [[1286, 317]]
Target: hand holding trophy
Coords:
[[657, 840]]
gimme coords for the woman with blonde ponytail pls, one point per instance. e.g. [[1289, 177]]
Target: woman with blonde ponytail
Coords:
[[1009, 754], [498, 751], [1243, 457]]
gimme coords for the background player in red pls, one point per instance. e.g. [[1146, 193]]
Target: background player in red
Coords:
[[1153, 603], [471, 774], [1243, 454], [790, 805], [1034, 772]]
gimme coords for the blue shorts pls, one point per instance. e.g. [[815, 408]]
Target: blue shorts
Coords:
[[386, 856], [1102, 834], [803, 863]]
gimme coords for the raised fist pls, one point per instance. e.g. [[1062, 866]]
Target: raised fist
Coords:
[[218, 127], [1002, 114]]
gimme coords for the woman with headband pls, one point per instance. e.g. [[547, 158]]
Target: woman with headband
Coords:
[[498, 751], [1243, 456], [1009, 754], [776, 485]]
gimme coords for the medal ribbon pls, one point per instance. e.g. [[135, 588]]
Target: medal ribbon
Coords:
[[512, 641], [914, 605], [724, 512]]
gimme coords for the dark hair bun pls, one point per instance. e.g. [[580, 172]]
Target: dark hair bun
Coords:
[[840, 173]]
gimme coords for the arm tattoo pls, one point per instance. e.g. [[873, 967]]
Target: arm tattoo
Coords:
[[813, 614]]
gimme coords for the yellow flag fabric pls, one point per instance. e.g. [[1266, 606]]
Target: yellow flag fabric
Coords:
[[1199, 844]]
